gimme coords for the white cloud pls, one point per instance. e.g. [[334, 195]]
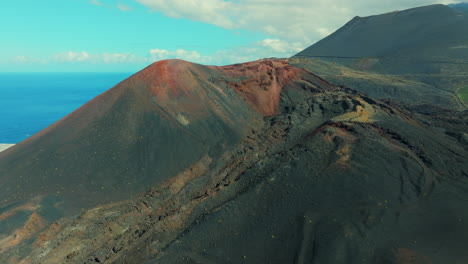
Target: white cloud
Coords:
[[279, 46], [123, 7], [119, 6], [303, 21], [161, 54], [257, 50], [127, 58], [210, 11], [291, 25], [262, 49], [20, 59], [86, 57], [110, 58], [72, 56], [96, 2]]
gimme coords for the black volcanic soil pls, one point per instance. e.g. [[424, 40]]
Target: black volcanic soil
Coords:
[[441, 90], [144, 130], [313, 173]]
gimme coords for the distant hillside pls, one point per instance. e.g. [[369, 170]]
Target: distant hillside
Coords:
[[424, 33], [463, 7], [425, 48], [407, 88]]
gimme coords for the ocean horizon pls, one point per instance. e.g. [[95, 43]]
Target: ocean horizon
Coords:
[[30, 102]]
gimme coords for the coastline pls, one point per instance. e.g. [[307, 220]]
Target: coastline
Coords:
[[5, 146]]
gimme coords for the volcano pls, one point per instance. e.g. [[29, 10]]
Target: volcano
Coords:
[[142, 131], [259, 162], [300, 160]]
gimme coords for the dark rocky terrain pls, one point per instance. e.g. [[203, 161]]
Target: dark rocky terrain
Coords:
[[262, 162], [449, 91], [317, 173]]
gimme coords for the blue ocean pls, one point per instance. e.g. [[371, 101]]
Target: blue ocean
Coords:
[[29, 102]]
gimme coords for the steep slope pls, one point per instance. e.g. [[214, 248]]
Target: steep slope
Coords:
[[328, 175], [424, 48], [145, 129], [423, 33], [140, 133]]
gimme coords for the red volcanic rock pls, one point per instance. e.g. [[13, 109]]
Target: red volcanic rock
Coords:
[[260, 83]]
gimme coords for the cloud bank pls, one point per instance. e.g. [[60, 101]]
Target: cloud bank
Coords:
[[119, 6], [295, 21], [261, 49], [291, 25]]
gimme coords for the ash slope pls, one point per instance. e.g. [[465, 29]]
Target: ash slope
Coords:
[[441, 90], [428, 32], [140, 132], [329, 175]]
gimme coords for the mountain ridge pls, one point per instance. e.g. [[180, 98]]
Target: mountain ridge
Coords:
[[270, 161], [319, 170], [407, 56], [395, 34]]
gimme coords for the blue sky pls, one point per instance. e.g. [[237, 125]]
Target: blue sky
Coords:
[[127, 35]]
